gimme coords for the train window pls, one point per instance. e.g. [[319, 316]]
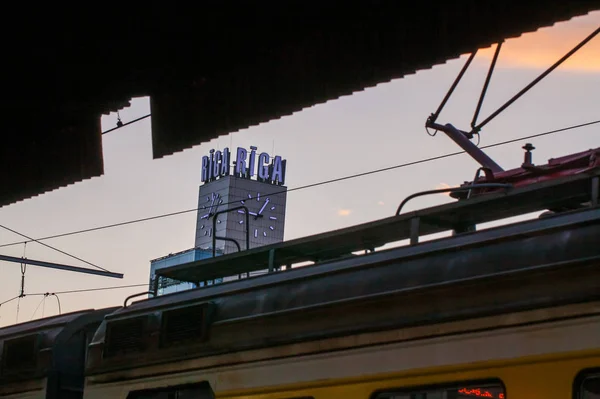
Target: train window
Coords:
[[588, 386], [189, 391], [489, 390]]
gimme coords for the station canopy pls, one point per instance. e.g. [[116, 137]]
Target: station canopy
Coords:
[[211, 68]]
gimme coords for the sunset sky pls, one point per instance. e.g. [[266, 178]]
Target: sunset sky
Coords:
[[375, 128]]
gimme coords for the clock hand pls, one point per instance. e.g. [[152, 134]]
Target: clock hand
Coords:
[[217, 197], [211, 204], [263, 207]]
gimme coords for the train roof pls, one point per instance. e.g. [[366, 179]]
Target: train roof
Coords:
[[549, 261], [32, 351], [43, 324]]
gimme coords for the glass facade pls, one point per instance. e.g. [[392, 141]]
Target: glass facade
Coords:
[[167, 285]]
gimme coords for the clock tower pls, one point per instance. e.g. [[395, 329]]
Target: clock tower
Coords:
[[254, 184]]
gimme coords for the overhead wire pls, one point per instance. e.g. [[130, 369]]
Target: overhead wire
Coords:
[[55, 294], [514, 98], [435, 115], [18, 308], [10, 300], [476, 128], [486, 85], [564, 129], [321, 183], [120, 125], [115, 287], [51, 247], [293, 189], [38, 306]]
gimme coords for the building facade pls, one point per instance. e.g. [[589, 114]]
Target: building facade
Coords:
[[237, 200], [235, 208]]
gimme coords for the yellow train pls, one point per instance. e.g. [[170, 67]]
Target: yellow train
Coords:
[[551, 354], [505, 312]]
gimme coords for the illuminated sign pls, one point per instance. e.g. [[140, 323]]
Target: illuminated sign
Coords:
[[247, 165], [480, 393]]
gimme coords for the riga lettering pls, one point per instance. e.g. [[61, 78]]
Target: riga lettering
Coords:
[[247, 165]]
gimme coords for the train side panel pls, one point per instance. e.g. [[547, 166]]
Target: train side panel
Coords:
[[539, 360]]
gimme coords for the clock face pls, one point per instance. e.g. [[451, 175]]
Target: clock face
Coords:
[[209, 208], [259, 208]]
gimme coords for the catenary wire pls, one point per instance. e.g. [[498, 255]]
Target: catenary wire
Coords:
[[37, 307], [53, 248], [514, 98], [10, 300], [298, 188], [115, 287], [486, 84], [421, 161], [55, 294], [125, 124]]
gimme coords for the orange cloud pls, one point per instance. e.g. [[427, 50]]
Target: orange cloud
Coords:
[[344, 212], [543, 48]]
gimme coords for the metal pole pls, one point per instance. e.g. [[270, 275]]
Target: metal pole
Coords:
[[536, 80], [414, 230], [60, 266], [215, 237], [485, 85], [271, 260], [460, 138], [433, 117], [452, 190], [247, 229]]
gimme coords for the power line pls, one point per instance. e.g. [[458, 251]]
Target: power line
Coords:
[[104, 227], [125, 124], [55, 294], [425, 160], [293, 189], [92, 289], [53, 248], [10, 300], [535, 81], [38, 306]]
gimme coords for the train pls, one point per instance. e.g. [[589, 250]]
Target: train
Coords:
[[510, 310]]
